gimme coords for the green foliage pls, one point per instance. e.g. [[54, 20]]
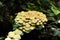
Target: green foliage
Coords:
[[56, 32], [15, 26], [39, 27], [1, 18], [1, 38]]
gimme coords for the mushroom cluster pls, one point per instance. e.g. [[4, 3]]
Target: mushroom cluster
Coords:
[[14, 35], [28, 20]]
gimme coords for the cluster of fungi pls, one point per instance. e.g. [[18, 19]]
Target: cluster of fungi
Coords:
[[27, 22]]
